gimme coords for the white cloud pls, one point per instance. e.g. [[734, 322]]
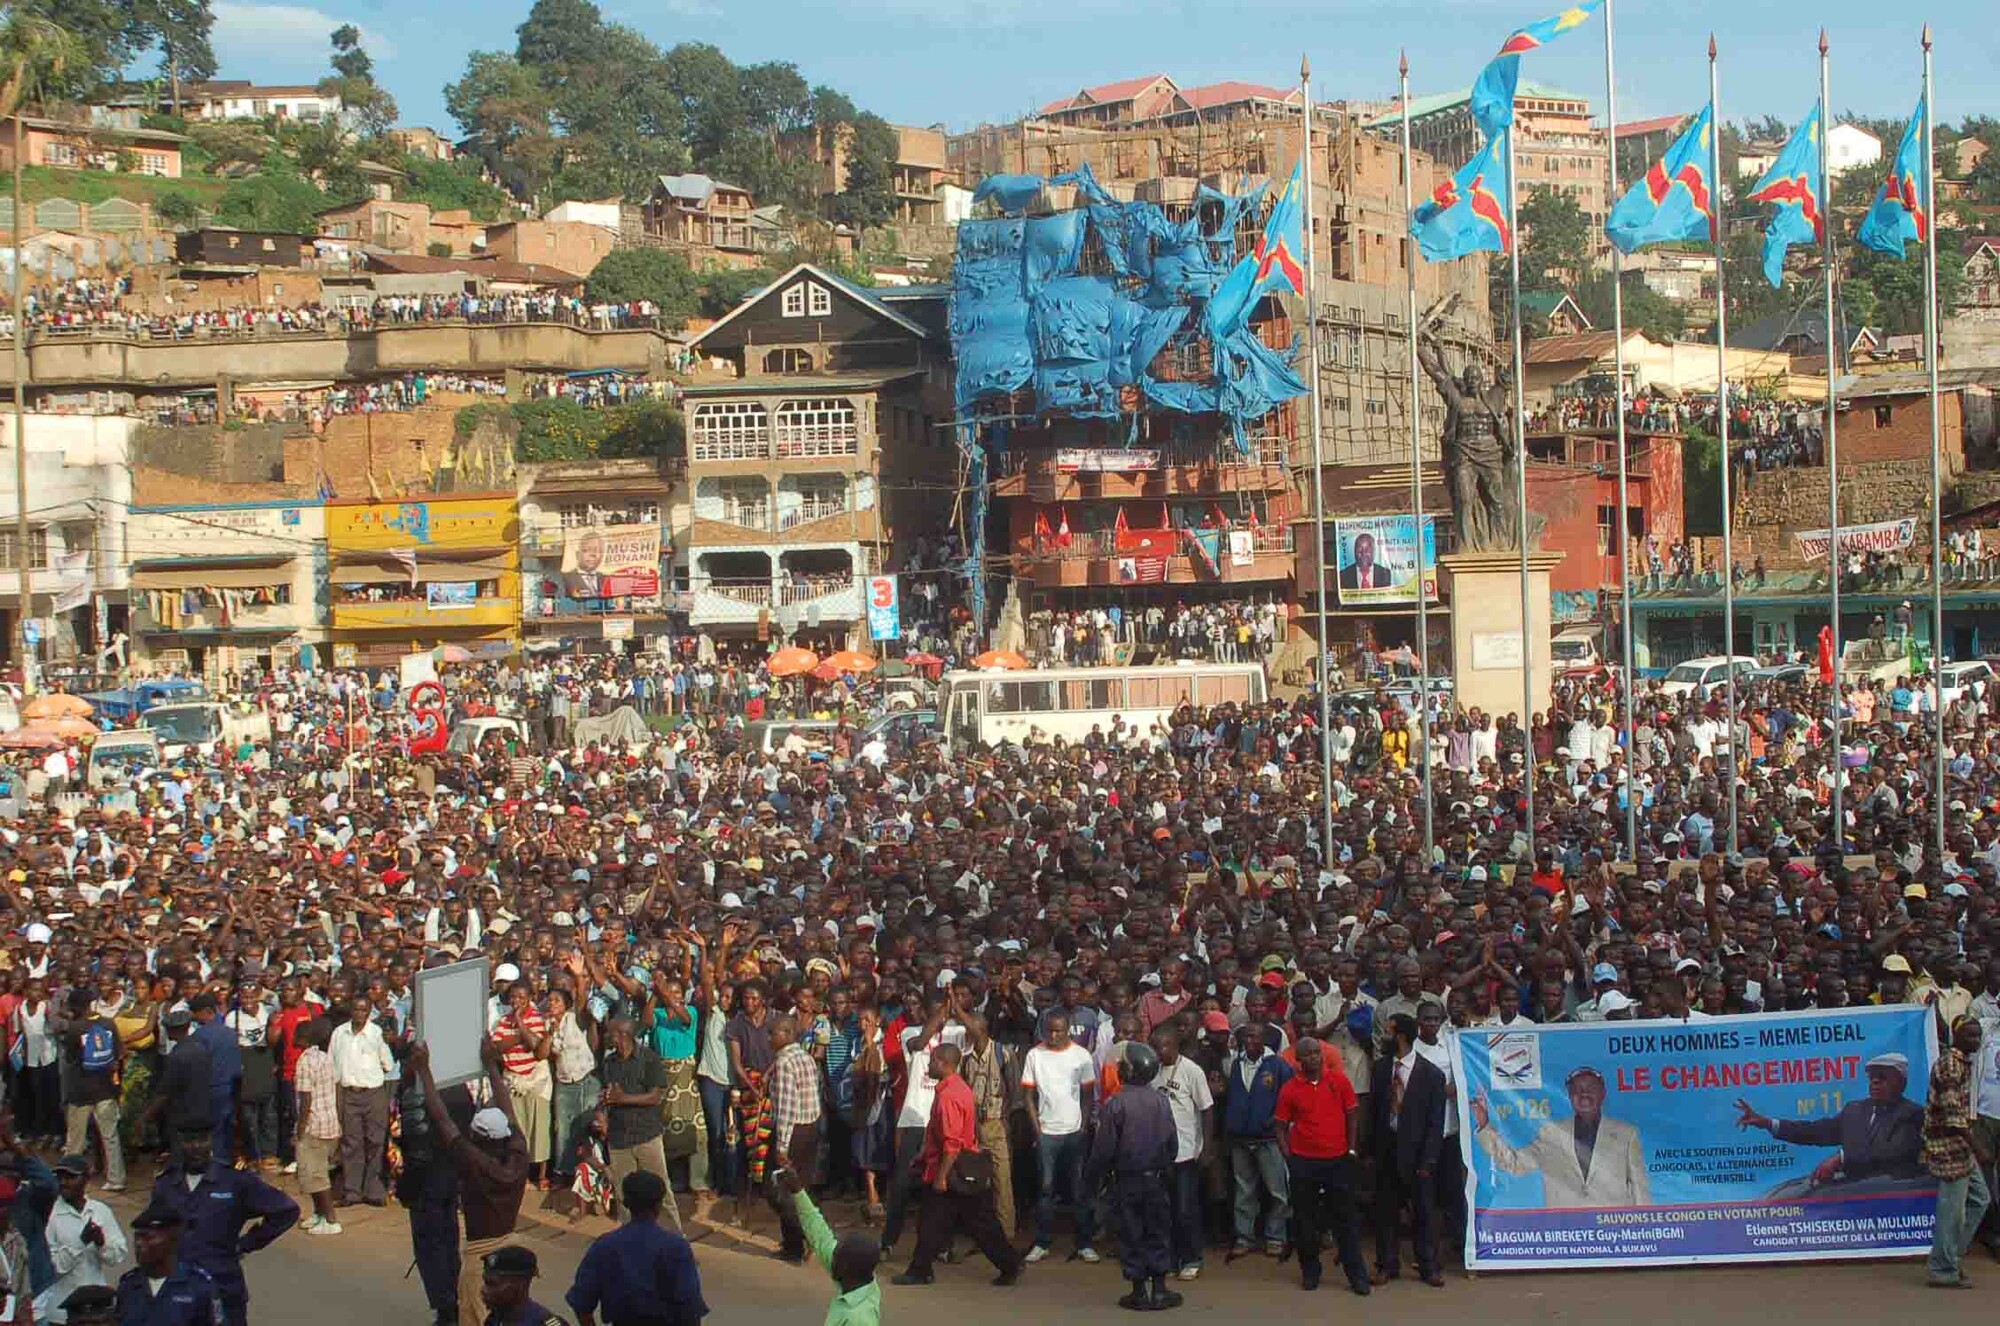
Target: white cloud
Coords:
[[291, 35]]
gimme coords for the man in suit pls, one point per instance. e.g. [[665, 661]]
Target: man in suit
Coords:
[[1407, 1098], [1362, 573], [584, 580], [1878, 1140], [1584, 1160]]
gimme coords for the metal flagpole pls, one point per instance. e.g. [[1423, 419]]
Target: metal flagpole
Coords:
[[1417, 486], [1318, 473], [1624, 501], [1521, 495], [1832, 435], [1722, 436], [1937, 445]]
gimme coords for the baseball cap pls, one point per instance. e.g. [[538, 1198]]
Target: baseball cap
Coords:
[[1602, 972], [1214, 1022]]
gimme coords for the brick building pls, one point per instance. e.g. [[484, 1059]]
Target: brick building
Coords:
[[570, 246]]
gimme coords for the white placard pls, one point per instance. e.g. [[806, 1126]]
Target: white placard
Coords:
[[1495, 651], [450, 1017]]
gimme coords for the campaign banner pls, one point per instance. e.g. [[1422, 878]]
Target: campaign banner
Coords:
[[1882, 536], [1142, 570], [1242, 548], [1103, 460], [885, 609], [1376, 559], [611, 561], [1760, 1137], [443, 594]]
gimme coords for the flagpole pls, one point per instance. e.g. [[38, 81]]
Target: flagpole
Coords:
[[1318, 472], [1521, 494], [1417, 485], [1832, 434], [1624, 500], [1929, 160], [1722, 436]]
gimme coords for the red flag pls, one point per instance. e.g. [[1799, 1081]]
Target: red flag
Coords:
[[1062, 530], [1826, 655], [1042, 533], [1119, 527]]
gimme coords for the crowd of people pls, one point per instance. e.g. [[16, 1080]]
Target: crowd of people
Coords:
[[87, 305], [725, 973], [1232, 631]]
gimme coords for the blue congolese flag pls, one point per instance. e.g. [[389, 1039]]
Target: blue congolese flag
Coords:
[[1795, 184], [1901, 212], [1674, 198], [1493, 94], [1278, 263], [1468, 214]]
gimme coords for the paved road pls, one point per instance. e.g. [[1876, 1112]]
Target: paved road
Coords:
[[358, 1277]]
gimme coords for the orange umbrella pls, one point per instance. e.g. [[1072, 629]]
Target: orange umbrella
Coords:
[[65, 728], [56, 704], [852, 660], [29, 738], [826, 671], [1001, 658], [791, 661]]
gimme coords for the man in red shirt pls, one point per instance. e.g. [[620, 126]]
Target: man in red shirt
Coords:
[[953, 1131], [294, 1011], [1316, 1115]]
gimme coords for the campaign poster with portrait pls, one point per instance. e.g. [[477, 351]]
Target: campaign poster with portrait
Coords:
[[611, 562], [1376, 559], [1758, 1137]]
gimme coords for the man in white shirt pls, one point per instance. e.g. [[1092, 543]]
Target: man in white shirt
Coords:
[[915, 1116], [361, 1067], [84, 1240], [1185, 1086], [1059, 1083]]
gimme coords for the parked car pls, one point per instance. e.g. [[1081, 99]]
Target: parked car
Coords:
[[1782, 674], [1705, 677], [1954, 678]]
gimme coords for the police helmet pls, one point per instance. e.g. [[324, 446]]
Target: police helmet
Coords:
[[1141, 1064]]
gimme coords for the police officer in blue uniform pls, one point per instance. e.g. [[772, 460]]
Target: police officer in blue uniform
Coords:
[[227, 1213], [509, 1272], [428, 1190], [184, 1295], [1136, 1142]]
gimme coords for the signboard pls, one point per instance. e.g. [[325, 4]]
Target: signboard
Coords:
[[446, 594], [1242, 548], [447, 522], [1142, 570], [618, 628], [1709, 1139], [412, 670], [1375, 559], [31, 630], [1494, 651], [611, 561], [1882, 536], [885, 609], [1104, 461], [449, 1015]]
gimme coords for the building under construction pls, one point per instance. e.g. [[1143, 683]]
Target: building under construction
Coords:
[[1181, 150]]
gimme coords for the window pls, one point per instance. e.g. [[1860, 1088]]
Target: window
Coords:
[[1884, 415], [260, 107], [822, 426], [745, 502], [788, 360], [38, 549], [821, 299], [735, 430], [795, 301], [61, 154]]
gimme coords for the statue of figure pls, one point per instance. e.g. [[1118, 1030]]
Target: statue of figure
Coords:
[[1479, 453]]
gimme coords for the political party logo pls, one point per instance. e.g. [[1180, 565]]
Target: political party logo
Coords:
[[1517, 1061]]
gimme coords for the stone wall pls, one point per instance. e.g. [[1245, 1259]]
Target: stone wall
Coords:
[[1775, 505], [254, 453]]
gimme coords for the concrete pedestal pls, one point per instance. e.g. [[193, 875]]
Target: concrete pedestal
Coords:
[[1487, 651]]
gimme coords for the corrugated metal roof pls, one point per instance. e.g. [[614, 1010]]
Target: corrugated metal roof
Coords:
[[1444, 101]]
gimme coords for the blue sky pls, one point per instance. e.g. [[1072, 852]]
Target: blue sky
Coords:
[[967, 61]]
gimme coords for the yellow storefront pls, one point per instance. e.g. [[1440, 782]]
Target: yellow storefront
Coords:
[[405, 576]]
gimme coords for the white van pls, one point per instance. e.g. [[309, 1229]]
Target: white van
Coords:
[[122, 757], [471, 732], [207, 726], [1704, 677]]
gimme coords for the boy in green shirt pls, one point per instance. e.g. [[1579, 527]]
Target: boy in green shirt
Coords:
[[850, 1259]]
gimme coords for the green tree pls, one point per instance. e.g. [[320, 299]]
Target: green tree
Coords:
[[1701, 483], [625, 275], [1888, 292], [97, 39], [507, 113], [1646, 310], [724, 288], [276, 198], [648, 429], [1555, 244], [1751, 297], [177, 209], [448, 184], [349, 59], [181, 29], [557, 429], [870, 196]]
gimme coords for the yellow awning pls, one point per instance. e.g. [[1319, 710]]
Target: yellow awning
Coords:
[[212, 577]]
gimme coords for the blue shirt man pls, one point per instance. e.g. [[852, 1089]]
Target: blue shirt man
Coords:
[[639, 1273], [185, 1296], [225, 1214]]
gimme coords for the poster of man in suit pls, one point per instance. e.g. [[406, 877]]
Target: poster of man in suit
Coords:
[[1584, 1160], [1377, 559]]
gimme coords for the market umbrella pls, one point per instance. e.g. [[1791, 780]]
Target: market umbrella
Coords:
[[451, 654], [791, 661], [852, 660], [1000, 658], [67, 728], [921, 659], [826, 671], [29, 738], [56, 704]]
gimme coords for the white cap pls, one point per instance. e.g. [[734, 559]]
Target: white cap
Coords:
[[506, 971], [1613, 1001], [40, 934], [491, 1124]]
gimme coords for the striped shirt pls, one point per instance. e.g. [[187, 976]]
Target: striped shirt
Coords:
[[794, 1091], [313, 1080]]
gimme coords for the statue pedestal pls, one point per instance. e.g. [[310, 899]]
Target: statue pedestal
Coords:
[[1486, 640]]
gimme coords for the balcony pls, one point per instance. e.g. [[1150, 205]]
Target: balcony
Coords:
[[834, 596], [1093, 559], [267, 618], [746, 445], [812, 509], [813, 442]]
